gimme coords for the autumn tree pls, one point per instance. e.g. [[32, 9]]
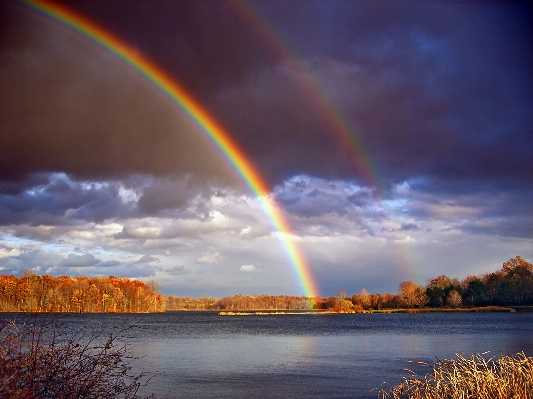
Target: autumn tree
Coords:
[[517, 287], [517, 266], [406, 293], [34, 293], [454, 299], [364, 298], [390, 301]]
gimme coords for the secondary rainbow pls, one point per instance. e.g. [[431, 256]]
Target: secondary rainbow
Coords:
[[341, 128], [80, 25]]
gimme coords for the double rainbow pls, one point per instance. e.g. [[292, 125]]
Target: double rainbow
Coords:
[[80, 25], [341, 129]]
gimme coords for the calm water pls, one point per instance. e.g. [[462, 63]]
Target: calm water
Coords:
[[204, 355]]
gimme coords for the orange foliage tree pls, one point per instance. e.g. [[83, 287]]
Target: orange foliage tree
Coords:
[[34, 293]]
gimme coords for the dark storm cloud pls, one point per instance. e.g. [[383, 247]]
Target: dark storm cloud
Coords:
[[409, 227], [67, 106], [440, 89], [205, 45], [60, 201], [172, 194], [428, 91], [307, 197], [55, 199], [280, 128], [507, 213]]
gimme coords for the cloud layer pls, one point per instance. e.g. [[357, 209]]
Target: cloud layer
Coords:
[[396, 139]]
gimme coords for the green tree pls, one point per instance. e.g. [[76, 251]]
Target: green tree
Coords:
[[476, 293], [438, 289], [495, 282]]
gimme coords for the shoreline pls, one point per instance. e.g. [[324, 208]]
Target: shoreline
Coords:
[[380, 311], [278, 312]]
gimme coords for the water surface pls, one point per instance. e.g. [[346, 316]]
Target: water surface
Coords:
[[204, 355]]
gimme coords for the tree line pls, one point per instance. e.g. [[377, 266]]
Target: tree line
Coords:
[[512, 285], [34, 293], [240, 302]]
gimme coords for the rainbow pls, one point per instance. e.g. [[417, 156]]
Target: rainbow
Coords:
[[317, 97], [80, 25], [341, 128]]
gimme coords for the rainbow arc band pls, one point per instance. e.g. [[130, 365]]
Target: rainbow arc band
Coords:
[[79, 25], [342, 130]]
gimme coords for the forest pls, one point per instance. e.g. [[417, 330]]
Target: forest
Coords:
[[34, 293], [512, 285]]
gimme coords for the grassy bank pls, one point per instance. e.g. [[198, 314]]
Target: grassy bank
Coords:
[[503, 377]]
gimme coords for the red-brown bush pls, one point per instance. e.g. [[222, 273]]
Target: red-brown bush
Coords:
[[39, 358]]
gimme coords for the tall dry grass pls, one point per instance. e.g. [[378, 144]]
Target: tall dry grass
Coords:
[[474, 377]]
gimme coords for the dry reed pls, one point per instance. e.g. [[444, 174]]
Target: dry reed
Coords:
[[473, 377]]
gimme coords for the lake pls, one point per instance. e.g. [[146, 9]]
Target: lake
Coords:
[[204, 355]]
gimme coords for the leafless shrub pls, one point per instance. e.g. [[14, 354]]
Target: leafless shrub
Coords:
[[40, 358]]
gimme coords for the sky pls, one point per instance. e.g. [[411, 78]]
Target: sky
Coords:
[[395, 137]]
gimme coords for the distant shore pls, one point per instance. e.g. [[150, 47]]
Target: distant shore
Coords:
[[273, 312], [421, 310]]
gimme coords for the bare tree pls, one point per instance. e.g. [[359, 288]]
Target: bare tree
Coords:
[[454, 299], [366, 300]]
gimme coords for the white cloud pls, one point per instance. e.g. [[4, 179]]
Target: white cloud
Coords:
[[248, 268], [7, 253], [210, 256], [350, 238]]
